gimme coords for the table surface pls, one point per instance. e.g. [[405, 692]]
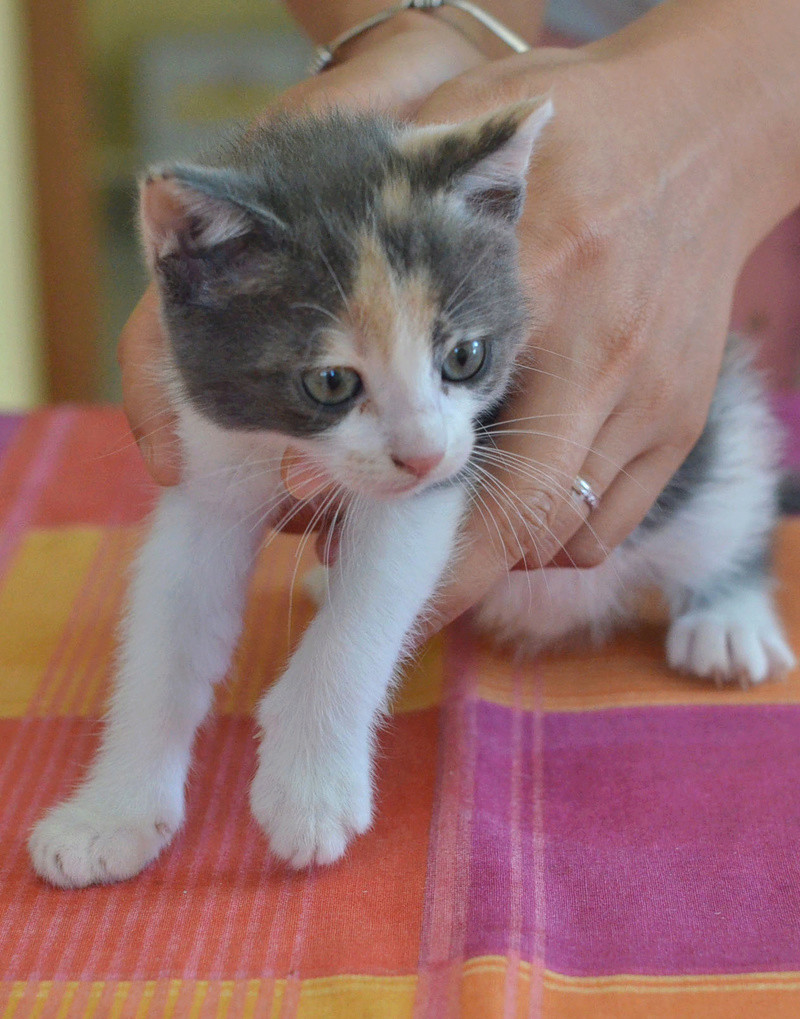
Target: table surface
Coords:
[[584, 835]]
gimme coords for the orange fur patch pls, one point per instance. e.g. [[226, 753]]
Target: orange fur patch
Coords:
[[389, 315]]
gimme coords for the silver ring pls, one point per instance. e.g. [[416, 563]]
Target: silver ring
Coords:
[[584, 491]]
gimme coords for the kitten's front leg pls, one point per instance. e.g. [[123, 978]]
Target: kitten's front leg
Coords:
[[312, 791], [184, 616]]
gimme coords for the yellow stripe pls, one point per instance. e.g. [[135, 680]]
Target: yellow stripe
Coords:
[[79, 627], [147, 998], [174, 989], [96, 629], [42, 996], [91, 692], [121, 992], [251, 998], [14, 997], [67, 997], [392, 997], [789, 980], [200, 995], [47, 575]]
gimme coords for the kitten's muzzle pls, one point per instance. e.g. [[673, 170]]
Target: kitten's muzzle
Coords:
[[419, 466]]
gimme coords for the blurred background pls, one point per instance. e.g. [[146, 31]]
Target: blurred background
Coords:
[[91, 91]]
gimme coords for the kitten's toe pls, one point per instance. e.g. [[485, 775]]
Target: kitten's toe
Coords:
[[737, 640], [73, 846], [309, 809]]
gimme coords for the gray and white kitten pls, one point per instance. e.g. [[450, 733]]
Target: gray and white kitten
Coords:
[[351, 286]]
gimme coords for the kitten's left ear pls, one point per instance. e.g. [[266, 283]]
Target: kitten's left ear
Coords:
[[485, 159]]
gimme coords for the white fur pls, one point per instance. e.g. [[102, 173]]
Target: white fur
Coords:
[[736, 636], [312, 791]]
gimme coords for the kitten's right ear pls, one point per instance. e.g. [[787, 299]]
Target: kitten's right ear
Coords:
[[193, 210]]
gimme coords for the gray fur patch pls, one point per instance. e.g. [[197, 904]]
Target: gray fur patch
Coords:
[[751, 570], [695, 471], [247, 316]]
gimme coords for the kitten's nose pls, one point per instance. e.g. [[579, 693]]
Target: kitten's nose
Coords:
[[419, 466]]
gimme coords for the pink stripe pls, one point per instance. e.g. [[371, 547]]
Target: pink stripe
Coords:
[[161, 912], [444, 918], [27, 918], [244, 928], [536, 1002], [230, 830], [98, 658], [511, 995], [275, 935], [22, 727], [291, 995], [41, 467]]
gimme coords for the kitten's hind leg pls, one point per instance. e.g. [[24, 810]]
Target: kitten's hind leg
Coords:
[[729, 632], [184, 616]]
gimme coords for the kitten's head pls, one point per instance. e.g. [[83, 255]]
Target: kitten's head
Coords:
[[350, 283]]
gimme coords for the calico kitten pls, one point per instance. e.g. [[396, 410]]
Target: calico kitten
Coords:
[[351, 285]]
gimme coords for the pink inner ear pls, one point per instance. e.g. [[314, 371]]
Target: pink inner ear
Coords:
[[170, 210], [510, 161], [164, 215]]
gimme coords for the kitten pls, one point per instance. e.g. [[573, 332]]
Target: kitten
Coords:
[[351, 285]]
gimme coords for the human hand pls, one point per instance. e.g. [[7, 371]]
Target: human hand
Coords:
[[630, 267], [393, 69]]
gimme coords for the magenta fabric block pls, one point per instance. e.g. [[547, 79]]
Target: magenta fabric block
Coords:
[[664, 852]]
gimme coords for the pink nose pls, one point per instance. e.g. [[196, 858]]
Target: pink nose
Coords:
[[419, 466]]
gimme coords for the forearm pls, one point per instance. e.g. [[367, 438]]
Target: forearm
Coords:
[[732, 67]]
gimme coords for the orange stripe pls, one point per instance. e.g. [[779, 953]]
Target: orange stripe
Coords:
[[90, 693]]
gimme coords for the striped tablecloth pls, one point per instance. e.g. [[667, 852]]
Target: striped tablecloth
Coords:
[[586, 835]]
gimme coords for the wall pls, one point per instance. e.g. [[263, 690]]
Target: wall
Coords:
[[21, 383]]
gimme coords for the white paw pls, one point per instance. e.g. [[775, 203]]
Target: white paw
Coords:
[[310, 795], [75, 845], [736, 640]]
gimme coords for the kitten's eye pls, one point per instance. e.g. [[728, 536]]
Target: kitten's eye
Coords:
[[331, 386], [464, 361]]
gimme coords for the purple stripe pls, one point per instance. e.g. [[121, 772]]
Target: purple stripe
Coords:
[[490, 904], [9, 423], [786, 406], [34, 480], [672, 840], [489, 893]]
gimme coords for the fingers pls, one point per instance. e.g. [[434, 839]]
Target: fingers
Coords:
[[141, 352], [521, 505], [623, 506]]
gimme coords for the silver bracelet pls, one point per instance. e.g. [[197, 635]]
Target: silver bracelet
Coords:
[[323, 55]]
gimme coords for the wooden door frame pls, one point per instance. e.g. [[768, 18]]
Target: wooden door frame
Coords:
[[64, 196]]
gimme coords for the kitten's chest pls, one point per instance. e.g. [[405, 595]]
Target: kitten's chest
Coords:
[[239, 470]]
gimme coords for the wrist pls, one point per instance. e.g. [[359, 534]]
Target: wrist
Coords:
[[406, 23], [710, 80], [448, 25]]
